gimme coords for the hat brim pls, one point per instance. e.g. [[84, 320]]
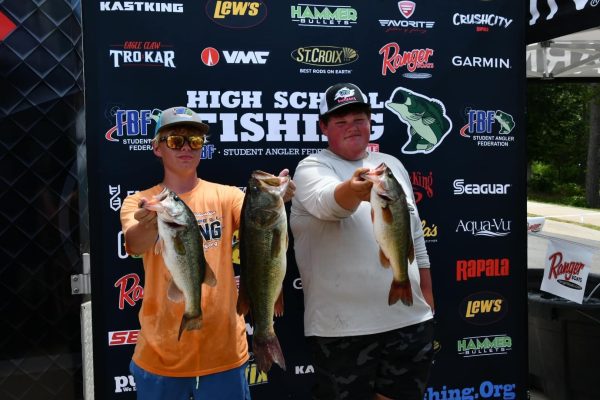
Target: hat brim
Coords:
[[198, 125], [349, 103]]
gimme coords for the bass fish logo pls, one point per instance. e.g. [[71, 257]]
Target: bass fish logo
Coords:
[[425, 117]]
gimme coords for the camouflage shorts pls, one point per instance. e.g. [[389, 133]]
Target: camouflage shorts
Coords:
[[395, 364]]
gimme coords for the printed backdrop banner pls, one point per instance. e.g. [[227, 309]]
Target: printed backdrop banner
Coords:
[[446, 84]]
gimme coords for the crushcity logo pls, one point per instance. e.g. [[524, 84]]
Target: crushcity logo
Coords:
[[483, 22], [461, 188]]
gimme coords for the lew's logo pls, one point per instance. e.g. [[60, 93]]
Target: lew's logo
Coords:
[[210, 57], [478, 346], [324, 56], [146, 54], [412, 60], [490, 267], [236, 14], [483, 308], [566, 272], [489, 127], [324, 16], [407, 9], [422, 185], [490, 228]]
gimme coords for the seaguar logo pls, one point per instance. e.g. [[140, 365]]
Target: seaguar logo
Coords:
[[425, 117]]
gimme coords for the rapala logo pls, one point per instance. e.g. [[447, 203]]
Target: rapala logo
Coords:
[[412, 60], [324, 56], [478, 346], [429, 231], [130, 290], [481, 62], [142, 54], [304, 369], [486, 390], [461, 188], [124, 384], [490, 228], [141, 6], [489, 127], [566, 272], [317, 15], [236, 14], [477, 268], [210, 56], [407, 9], [120, 338], [483, 308], [422, 185], [483, 22]]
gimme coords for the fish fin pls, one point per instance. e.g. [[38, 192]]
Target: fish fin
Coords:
[[158, 245], [400, 291], [178, 245], [209, 276], [189, 323], [386, 213], [174, 293], [243, 301], [411, 252], [266, 351], [383, 259], [279, 304], [428, 120]]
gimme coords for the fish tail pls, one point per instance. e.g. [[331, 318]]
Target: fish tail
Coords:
[[189, 323], [400, 290], [267, 350]]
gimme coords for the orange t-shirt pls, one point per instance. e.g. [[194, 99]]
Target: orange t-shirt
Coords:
[[221, 343]]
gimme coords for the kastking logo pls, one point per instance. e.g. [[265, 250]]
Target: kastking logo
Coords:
[[482, 267], [422, 185], [324, 56], [406, 25], [327, 16], [483, 308], [142, 54], [425, 117], [211, 57], [489, 128], [141, 6], [236, 14], [412, 60], [478, 346]]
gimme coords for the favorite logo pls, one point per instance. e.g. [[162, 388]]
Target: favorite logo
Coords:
[[317, 15], [477, 268], [425, 117], [324, 56], [567, 273], [483, 308], [211, 57], [482, 22], [489, 127], [142, 54], [141, 6], [481, 62], [412, 60], [422, 185], [478, 346], [130, 290], [489, 228], [407, 9], [236, 14]]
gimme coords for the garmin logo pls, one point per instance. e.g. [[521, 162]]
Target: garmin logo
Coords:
[[481, 62], [484, 188], [141, 6]]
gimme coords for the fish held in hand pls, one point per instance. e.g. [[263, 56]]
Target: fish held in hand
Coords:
[[180, 244], [263, 247], [391, 225]]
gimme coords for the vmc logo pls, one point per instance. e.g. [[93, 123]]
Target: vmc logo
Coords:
[[211, 57]]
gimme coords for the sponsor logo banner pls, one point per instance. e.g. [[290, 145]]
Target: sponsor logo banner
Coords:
[[566, 270], [406, 25], [485, 390], [142, 54], [478, 346], [489, 128], [325, 16], [482, 267], [483, 308], [236, 14]]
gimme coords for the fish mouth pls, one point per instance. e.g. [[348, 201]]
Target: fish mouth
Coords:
[[270, 182]]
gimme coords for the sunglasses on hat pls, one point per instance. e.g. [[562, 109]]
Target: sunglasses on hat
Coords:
[[176, 142]]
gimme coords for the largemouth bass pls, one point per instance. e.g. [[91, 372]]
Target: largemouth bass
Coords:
[[181, 247], [391, 225], [263, 246]]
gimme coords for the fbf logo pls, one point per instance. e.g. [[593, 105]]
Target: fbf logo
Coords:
[[425, 117], [488, 121], [236, 14], [132, 128]]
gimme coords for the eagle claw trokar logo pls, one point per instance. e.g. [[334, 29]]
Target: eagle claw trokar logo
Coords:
[[425, 117]]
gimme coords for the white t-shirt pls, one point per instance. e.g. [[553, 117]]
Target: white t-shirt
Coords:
[[345, 286]]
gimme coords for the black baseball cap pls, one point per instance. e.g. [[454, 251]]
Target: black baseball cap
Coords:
[[340, 95]]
